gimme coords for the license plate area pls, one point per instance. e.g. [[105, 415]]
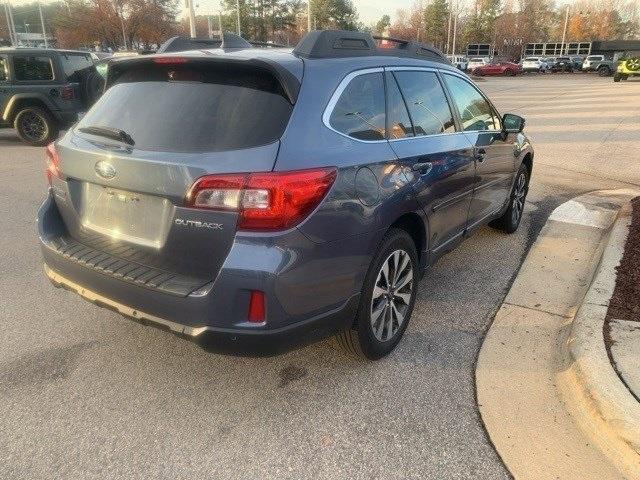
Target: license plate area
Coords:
[[123, 215]]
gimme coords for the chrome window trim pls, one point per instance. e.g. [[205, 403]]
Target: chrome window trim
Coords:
[[347, 79], [338, 93]]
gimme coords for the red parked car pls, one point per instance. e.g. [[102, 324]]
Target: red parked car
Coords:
[[498, 68]]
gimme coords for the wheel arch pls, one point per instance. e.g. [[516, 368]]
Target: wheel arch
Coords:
[[417, 228], [18, 102]]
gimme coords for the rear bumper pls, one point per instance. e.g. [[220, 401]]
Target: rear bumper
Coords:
[[228, 340], [311, 291]]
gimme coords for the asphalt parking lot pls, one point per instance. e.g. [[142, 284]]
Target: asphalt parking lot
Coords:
[[85, 393]]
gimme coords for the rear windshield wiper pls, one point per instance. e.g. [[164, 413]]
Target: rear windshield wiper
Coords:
[[109, 132]]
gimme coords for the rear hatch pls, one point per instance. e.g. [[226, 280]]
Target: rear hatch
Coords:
[[163, 123]]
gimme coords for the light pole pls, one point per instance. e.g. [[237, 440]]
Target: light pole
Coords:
[[44, 33], [455, 30], [192, 19], [564, 32], [238, 16], [6, 12]]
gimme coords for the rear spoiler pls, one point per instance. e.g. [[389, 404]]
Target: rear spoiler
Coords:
[[290, 84]]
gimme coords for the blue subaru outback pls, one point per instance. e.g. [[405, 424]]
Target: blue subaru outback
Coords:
[[254, 199]]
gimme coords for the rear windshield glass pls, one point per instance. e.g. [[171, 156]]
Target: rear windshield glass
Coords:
[[74, 62], [182, 108], [594, 57]]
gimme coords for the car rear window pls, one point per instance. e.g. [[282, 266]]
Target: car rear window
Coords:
[[187, 108], [594, 57], [74, 62], [32, 68], [531, 59]]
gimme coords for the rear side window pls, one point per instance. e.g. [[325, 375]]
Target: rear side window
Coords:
[[475, 111], [3, 69], [426, 101], [73, 63], [183, 108], [360, 110], [34, 68]]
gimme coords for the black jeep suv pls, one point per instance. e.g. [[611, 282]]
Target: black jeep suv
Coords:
[[43, 90]]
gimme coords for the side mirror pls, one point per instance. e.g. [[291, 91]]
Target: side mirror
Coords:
[[512, 123]]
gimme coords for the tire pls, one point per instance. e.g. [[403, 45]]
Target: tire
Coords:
[[371, 336], [35, 126], [604, 71], [510, 220], [617, 77]]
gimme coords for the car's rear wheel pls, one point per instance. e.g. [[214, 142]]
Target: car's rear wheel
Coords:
[[35, 126], [510, 221], [387, 299], [604, 71]]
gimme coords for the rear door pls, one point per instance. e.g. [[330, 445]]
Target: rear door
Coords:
[[423, 136], [185, 121], [495, 161]]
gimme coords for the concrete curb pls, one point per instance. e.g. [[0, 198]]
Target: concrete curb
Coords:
[[602, 405], [523, 367]]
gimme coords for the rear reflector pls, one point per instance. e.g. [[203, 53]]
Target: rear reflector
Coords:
[[53, 162], [265, 201], [256, 307]]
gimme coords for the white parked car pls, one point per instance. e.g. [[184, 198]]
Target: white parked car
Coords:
[[477, 62], [459, 61], [535, 64]]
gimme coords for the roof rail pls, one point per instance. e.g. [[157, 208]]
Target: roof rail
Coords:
[[226, 41], [342, 43]]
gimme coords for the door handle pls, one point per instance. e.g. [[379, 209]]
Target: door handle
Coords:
[[479, 154], [421, 167]]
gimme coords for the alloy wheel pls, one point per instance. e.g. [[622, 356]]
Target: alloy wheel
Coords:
[[518, 198], [33, 126], [392, 294]]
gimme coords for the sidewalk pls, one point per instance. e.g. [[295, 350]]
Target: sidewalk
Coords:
[[533, 393]]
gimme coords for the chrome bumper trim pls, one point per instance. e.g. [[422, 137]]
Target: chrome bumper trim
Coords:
[[94, 297]]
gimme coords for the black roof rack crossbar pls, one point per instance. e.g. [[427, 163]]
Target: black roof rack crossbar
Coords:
[[342, 43]]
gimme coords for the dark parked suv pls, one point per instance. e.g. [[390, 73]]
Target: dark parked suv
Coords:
[[43, 90], [255, 199]]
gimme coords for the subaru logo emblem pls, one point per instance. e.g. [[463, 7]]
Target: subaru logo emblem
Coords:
[[105, 170]]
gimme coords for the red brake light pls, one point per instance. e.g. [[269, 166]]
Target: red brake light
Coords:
[[53, 162], [256, 307], [170, 60], [265, 201]]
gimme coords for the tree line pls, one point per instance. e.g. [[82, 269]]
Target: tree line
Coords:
[[507, 24]]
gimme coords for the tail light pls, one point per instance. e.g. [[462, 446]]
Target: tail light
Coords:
[[67, 93], [265, 201], [53, 162]]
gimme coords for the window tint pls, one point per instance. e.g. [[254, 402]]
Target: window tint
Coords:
[[32, 68], [3, 69], [426, 101], [73, 62], [180, 108], [475, 111], [399, 122], [359, 111]]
